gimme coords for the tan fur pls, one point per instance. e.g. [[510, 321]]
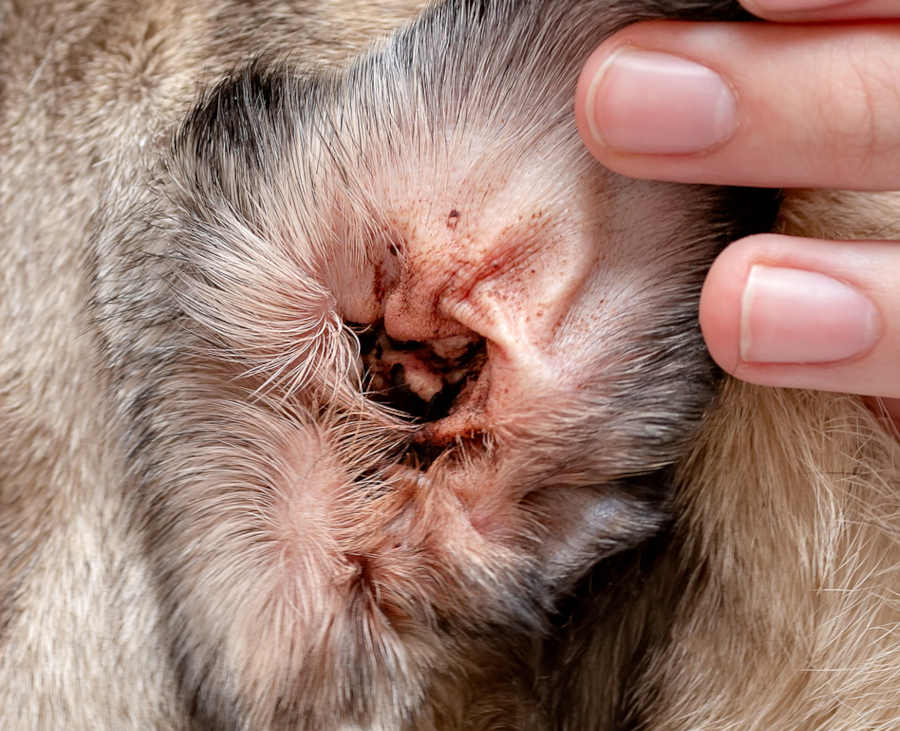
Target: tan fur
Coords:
[[790, 505], [791, 616], [773, 605]]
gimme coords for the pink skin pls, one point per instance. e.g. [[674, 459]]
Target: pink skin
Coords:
[[780, 106]]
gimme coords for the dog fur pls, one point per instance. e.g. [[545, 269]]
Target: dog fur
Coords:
[[209, 520]]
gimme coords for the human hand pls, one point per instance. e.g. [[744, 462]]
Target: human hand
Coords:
[[772, 105]]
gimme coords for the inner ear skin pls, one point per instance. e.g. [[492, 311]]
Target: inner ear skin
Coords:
[[330, 508]]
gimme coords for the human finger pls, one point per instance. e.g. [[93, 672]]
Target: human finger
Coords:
[[747, 104], [786, 311]]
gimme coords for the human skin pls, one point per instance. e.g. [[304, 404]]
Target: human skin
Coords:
[[798, 104]]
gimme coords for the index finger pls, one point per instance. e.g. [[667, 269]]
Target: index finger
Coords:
[[747, 104]]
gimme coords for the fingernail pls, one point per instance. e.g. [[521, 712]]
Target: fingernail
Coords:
[[652, 103], [796, 316]]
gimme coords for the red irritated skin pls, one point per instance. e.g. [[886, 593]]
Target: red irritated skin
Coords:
[[431, 362]]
